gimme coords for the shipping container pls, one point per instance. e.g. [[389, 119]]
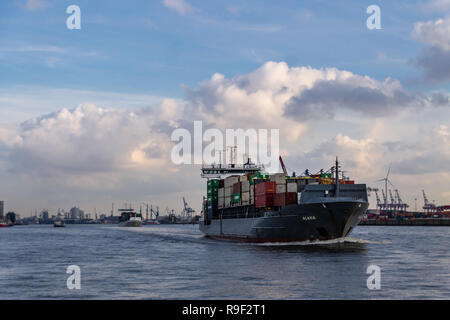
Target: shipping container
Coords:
[[267, 187], [243, 178], [228, 191], [281, 188], [264, 200], [279, 199], [221, 192], [278, 178], [213, 191], [245, 196], [236, 198], [229, 181], [245, 186], [221, 202], [291, 198], [213, 183], [227, 201], [237, 187], [291, 187]]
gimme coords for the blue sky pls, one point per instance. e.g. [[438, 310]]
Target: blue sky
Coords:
[[310, 68], [143, 46]]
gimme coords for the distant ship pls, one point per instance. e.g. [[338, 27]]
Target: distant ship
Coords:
[[250, 205], [5, 224], [150, 222], [59, 223], [130, 218]]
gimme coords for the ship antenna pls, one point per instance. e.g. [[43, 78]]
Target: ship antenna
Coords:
[[337, 178]]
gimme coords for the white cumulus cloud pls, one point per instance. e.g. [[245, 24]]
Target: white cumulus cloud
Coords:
[[179, 6]]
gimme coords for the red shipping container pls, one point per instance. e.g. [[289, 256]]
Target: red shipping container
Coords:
[[221, 183], [291, 198], [237, 187], [279, 199], [267, 187], [265, 200]]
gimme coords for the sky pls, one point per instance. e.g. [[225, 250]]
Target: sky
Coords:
[[86, 115]]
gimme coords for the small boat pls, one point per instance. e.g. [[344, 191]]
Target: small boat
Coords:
[[5, 225], [129, 218], [150, 222], [59, 224]]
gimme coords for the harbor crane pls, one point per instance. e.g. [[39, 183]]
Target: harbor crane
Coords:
[[187, 211], [283, 166], [428, 206]]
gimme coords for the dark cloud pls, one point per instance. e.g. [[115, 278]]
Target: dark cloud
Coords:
[[324, 98], [435, 63]]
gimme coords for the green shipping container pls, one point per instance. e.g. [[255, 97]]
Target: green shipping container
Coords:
[[212, 199], [236, 197], [213, 191], [213, 183]]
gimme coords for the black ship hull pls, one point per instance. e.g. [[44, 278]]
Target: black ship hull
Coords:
[[324, 220]]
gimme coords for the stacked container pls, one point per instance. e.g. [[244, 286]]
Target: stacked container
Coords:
[[213, 194], [245, 192], [228, 190], [264, 194]]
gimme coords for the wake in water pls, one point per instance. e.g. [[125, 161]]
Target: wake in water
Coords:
[[338, 241]]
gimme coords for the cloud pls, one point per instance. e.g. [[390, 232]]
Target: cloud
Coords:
[[179, 6], [86, 140], [436, 33], [434, 60], [282, 96], [34, 5]]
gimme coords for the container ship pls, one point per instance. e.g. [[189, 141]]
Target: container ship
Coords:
[[130, 218], [245, 204]]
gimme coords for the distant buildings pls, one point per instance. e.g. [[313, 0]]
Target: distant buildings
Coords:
[[76, 213], [2, 208], [44, 215]]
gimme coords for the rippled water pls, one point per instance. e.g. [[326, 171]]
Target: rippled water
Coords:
[[177, 262]]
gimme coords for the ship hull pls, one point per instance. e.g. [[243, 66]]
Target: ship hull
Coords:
[[292, 223], [134, 223]]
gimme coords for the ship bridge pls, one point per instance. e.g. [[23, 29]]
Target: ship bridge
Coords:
[[220, 171]]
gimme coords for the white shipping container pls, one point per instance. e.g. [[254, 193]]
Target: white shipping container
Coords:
[[245, 186], [230, 181], [244, 203], [245, 196], [221, 192], [228, 191], [291, 187], [278, 178], [243, 178], [281, 188], [299, 197], [227, 202]]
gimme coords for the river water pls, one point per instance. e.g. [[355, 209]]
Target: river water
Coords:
[[177, 262]]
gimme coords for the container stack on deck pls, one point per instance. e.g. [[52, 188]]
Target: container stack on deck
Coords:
[[261, 190], [213, 194]]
